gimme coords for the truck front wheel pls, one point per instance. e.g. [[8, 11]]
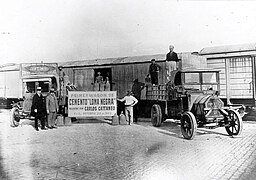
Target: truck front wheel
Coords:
[[156, 115], [188, 125], [14, 117]]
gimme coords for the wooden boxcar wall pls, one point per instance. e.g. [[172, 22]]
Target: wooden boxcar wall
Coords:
[[10, 84], [124, 74]]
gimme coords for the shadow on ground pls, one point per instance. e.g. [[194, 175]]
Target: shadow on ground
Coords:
[[172, 128], [90, 121]]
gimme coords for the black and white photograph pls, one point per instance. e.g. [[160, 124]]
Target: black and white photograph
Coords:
[[127, 90]]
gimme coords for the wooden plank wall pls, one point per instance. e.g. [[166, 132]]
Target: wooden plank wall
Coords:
[[219, 64], [84, 78], [239, 80], [241, 84], [124, 75]]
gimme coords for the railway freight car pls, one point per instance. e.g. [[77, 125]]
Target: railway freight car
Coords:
[[121, 72], [10, 85], [237, 72]]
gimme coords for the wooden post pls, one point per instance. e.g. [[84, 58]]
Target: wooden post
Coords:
[[227, 66]]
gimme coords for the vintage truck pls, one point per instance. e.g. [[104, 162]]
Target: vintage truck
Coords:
[[191, 96], [45, 75]]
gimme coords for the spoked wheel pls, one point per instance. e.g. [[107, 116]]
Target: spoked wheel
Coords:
[[188, 125], [235, 123], [156, 115], [15, 117]]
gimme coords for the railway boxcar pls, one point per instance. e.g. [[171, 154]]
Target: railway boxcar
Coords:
[[237, 71], [10, 85], [123, 71]]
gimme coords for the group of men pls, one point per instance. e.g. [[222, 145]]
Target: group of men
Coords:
[[171, 64], [41, 108], [49, 108], [132, 98], [100, 84]]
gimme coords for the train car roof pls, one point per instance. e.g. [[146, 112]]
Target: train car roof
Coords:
[[105, 61], [9, 67], [228, 49], [187, 70], [112, 61], [121, 60]]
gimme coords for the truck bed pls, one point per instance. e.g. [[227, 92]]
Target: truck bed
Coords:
[[157, 92]]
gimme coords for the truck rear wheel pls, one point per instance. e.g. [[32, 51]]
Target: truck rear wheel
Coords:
[[188, 125], [14, 117], [156, 115], [235, 123]]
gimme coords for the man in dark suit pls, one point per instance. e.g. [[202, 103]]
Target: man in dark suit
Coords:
[[136, 90], [38, 109]]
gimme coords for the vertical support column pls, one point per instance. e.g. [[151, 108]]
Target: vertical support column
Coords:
[[227, 76], [253, 78]]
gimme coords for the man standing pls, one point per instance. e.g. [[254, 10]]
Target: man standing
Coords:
[[38, 109], [171, 60], [51, 108], [130, 101], [136, 90], [153, 71]]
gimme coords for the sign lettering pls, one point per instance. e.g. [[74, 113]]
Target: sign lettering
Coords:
[[91, 103]]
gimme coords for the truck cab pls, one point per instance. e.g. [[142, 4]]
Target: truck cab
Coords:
[[33, 75]]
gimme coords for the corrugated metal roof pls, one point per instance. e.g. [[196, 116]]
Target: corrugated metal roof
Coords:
[[228, 49], [9, 67], [107, 61]]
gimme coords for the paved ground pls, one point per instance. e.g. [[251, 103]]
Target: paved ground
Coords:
[[92, 149]]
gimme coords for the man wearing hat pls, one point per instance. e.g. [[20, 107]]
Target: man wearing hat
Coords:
[[38, 108], [51, 108], [130, 101], [153, 71]]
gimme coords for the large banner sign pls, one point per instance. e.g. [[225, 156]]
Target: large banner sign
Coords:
[[91, 103]]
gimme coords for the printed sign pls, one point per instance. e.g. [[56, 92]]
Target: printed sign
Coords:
[[28, 69], [91, 103]]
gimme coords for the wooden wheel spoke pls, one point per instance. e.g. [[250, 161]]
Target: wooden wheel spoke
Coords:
[[189, 132], [235, 128]]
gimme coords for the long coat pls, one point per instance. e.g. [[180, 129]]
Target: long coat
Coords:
[[38, 103], [51, 103]]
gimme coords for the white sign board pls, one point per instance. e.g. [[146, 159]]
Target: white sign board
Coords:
[[91, 103]]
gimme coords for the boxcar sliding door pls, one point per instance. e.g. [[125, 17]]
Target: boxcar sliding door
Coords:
[[239, 79], [83, 79]]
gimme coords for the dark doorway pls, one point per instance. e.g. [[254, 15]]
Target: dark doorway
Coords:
[[105, 73]]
